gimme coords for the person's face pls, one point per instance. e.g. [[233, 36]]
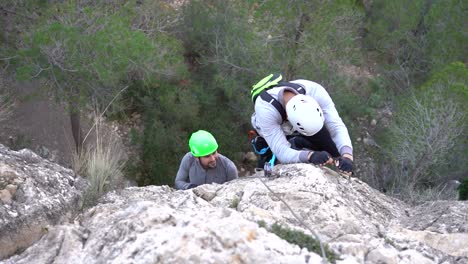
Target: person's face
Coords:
[[209, 161]]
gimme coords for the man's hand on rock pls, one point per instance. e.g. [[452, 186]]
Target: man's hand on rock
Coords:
[[345, 164], [320, 158]]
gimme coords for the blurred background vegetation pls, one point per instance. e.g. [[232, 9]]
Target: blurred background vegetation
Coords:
[[395, 69]]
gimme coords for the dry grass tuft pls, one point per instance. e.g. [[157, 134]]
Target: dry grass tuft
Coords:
[[101, 162], [5, 107]]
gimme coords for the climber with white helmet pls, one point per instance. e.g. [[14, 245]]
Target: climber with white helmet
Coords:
[[297, 122], [203, 164]]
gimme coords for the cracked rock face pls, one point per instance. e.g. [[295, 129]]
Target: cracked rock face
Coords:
[[35, 194], [160, 225], [220, 224]]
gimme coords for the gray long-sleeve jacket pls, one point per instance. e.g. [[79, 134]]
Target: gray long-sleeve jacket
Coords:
[[192, 172], [269, 124]]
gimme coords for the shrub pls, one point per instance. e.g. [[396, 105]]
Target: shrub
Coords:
[[262, 223], [234, 202], [302, 240], [426, 140], [422, 137], [416, 196]]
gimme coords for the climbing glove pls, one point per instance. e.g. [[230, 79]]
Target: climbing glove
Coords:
[[344, 164], [191, 186], [319, 157]]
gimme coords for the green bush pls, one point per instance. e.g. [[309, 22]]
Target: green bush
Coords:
[[234, 202], [445, 41], [377, 94], [348, 103], [463, 190], [163, 147], [262, 223], [413, 38], [299, 238], [302, 240]]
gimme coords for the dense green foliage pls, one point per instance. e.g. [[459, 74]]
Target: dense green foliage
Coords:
[[415, 37], [85, 52], [170, 114], [191, 67]]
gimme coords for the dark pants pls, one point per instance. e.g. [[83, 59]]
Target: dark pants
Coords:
[[321, 141]]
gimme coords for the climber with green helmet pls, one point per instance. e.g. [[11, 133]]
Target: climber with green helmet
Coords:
[[203, 164]]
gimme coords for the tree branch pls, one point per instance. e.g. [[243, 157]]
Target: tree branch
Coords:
[[15, 13]]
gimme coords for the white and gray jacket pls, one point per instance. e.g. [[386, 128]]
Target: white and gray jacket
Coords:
[[269, 123]]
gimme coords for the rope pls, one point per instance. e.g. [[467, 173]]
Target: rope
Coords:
[[301, 221]]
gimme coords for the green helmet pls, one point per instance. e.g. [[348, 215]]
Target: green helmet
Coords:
[[202, 143]]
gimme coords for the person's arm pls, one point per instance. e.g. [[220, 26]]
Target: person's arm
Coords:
[[268, 124], [336, 127], [231, 170], [182, 181]]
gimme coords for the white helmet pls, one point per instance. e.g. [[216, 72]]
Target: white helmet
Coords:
[[305, 114]]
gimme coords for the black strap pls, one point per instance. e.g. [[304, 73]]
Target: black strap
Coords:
[[299, 88], [268, 98]]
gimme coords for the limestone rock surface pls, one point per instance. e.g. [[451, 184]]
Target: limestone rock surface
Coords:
[[221, 224], [35, 194]]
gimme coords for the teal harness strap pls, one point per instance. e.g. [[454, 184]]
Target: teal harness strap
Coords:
[[272, 161]]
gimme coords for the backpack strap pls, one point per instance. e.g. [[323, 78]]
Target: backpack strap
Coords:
[[268, 98], [266, 83], [271, 100], [299, 88]]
